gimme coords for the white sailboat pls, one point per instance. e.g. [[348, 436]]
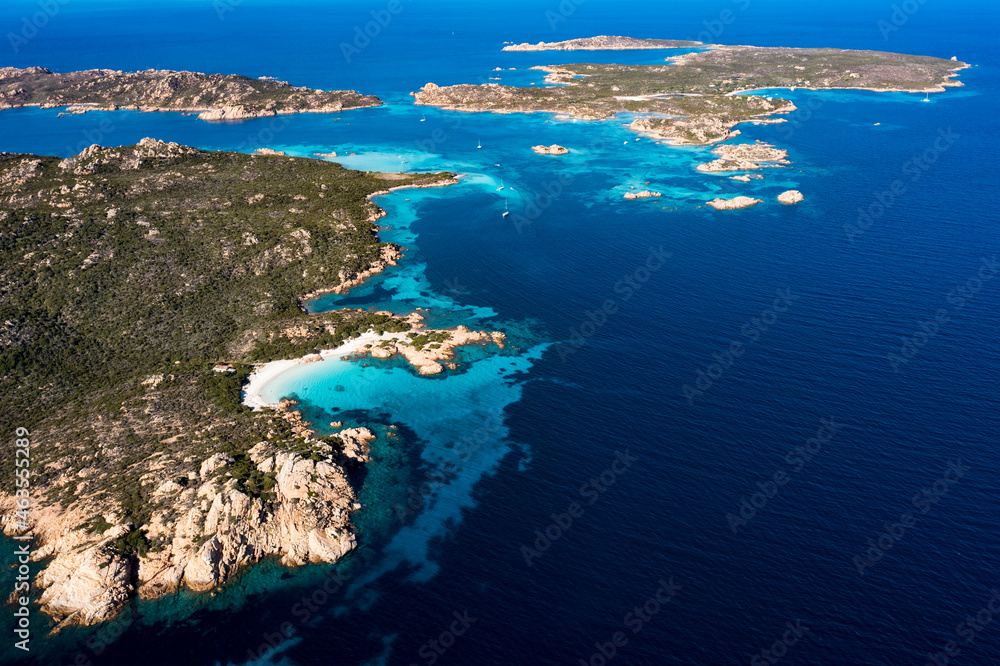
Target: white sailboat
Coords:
[[501, 184], [505, 211], [480, 145], [927, 97], [423, 119]]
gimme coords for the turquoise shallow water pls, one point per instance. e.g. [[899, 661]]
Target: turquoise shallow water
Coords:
[[458, 418], [548, 419]]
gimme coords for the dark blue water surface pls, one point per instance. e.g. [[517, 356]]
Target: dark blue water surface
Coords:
[[603, 405]]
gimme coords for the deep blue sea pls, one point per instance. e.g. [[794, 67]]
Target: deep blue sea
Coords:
[[568, 500]]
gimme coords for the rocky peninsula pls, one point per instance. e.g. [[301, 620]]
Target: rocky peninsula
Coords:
[[604, 43], [211, 96], [690, 100], [150, 474]]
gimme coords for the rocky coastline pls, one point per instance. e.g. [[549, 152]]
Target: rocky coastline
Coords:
[[211, 523], [389, 255]]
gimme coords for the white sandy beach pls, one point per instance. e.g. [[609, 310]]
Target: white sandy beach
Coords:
[[265, 372]]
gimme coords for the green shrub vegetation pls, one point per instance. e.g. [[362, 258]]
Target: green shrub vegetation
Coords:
[[696, 86], [127, 273], [186, 90]]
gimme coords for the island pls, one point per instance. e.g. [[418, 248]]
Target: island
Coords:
[[554, 149], [211, 96], [604, 43], [645, 194], [745, 157], [790, 197], [692, 98], [734, 203], [143, 285]]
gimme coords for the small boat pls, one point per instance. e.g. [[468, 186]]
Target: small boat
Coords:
[[423, 119], [480, 145], [927, 97], [505, 211], [501, 185], [626, 143]]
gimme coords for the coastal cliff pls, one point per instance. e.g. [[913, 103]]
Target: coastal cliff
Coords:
[[213, 96], [207, 524]]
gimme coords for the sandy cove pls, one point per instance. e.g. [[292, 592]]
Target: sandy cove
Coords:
[[266, 372], [427, 361]]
